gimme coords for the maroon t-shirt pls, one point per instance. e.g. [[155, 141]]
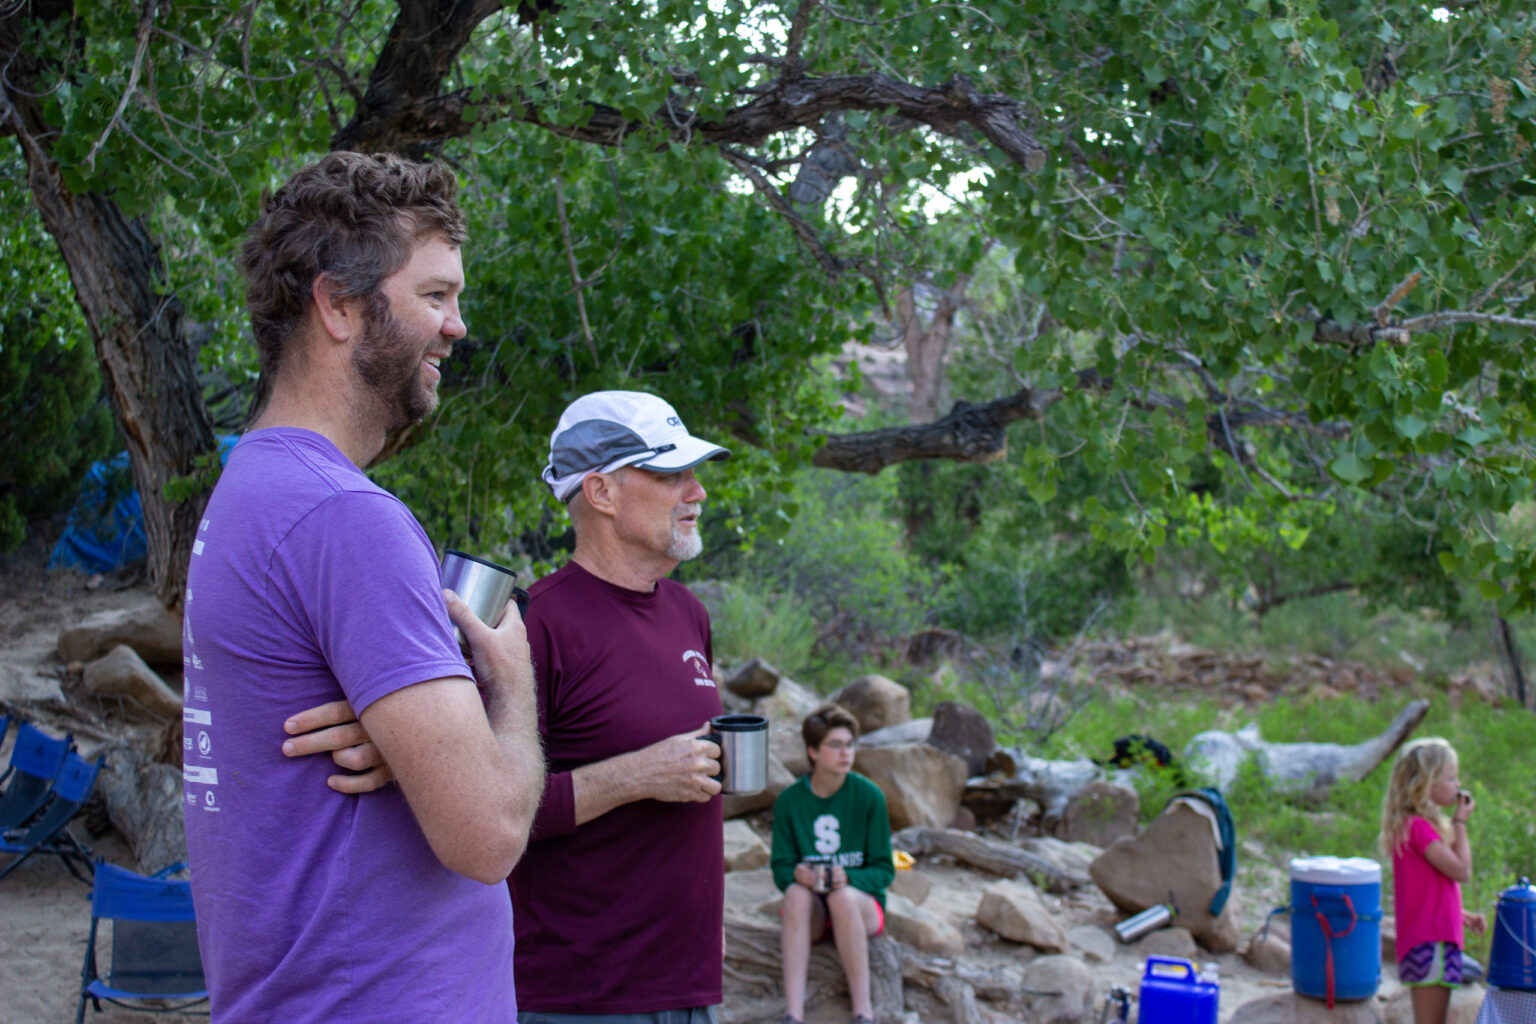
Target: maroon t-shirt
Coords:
[[624, 914]]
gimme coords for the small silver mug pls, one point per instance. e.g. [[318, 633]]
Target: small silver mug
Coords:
[[485, 586], [743, 741]]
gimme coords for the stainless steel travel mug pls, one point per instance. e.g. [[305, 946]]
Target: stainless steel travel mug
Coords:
[[485, 586], [1133, 928], [743, 741]]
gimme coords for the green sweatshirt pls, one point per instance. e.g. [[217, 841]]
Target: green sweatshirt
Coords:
[[850, 829]]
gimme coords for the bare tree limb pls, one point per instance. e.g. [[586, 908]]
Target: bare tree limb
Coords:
[[978, 433], [1430, 321], [794, 64], [832, 265], [577, 284], [146, 18], [949, 108]]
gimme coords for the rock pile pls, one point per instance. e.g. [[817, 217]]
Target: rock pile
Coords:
[[992, 925]]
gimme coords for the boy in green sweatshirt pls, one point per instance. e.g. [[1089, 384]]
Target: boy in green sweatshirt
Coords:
[[832, 859]]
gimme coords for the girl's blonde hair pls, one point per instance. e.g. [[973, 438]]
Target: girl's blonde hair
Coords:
[[1417, 767]]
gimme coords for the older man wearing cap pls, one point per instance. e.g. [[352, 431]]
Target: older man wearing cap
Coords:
[[618, 900]]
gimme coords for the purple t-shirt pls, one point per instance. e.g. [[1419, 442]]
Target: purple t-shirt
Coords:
[[307, 584], [624, 914], [1427, 903]]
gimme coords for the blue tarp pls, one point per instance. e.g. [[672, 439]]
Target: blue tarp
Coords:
[[102, 535]]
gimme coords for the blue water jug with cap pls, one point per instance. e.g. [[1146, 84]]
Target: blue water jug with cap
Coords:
[[1173, 993], [1335, 927], [1512, 961]]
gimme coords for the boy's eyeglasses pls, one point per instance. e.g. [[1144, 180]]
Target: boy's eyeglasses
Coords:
[[838, 746]]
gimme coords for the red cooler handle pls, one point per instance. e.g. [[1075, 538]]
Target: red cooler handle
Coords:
[[1328, 933]]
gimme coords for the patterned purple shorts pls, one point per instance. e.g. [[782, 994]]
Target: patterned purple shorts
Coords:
[[1431, 963]]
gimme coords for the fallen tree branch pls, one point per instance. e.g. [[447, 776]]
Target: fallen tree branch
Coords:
[[989, 855]]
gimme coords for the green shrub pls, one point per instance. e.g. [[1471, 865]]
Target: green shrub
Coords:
[[53, 424]]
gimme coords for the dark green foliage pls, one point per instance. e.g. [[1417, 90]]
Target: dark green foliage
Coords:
[[53, 423], [53, 420]]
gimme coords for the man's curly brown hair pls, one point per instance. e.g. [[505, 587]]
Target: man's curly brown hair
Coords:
[[353, 217]]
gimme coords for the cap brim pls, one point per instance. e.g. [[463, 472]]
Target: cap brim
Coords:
[[689, 453]]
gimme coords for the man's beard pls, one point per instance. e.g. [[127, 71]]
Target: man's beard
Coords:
[[685, 546], [389, 367]]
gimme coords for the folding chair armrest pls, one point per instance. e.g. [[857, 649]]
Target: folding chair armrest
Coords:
[[170, 869]]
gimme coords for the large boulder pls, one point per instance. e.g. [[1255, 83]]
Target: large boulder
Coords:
[[755, 679], [1061, 990], [779, 779], [1290, 1008], [1014, 911], [1466, 1004], [961, 730], [753, 892], [1269, 953], [1175, 941], [122, 673], [915, 731], [876, 702], [922, 784], [912, 884], [1176, 855], [921, 928], [744, 849], [1100, 813], [785, 710], [1090, 942], [143, 624]]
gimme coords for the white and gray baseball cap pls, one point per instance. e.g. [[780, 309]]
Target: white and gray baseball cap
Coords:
[[607, 430]]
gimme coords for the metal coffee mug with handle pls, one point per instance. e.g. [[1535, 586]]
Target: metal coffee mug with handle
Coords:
[[482, 584], [743, 741]]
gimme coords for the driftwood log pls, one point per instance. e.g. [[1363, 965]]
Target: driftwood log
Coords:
[[1301, 769], [753, 955], [143, 798], [958, 985], [988, 854]]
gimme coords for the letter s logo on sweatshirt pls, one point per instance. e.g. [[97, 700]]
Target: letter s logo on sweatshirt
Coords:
[[829, 838]]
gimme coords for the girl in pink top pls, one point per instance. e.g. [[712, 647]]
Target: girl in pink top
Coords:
[[1430, 859]]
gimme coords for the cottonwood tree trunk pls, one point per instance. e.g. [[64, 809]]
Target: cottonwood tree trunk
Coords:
[[927, 345], [1509, 652], [136, 324]]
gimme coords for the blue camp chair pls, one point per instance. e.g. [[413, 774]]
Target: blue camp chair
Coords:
[[35, 762], [5, 727], [49, 831], [154, 943]]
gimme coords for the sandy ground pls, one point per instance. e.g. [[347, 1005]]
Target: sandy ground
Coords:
[[47, 917]]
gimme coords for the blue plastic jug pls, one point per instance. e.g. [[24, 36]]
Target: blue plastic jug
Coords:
[[1512, 961], [1172, 993], [1335, 927]]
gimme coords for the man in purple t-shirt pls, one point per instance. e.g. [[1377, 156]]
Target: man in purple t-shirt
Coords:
[[619, 898], [310, 585]]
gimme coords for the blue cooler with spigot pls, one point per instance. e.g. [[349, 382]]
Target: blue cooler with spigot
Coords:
[[1512, 961], [1173, 993], [1335, 927]]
